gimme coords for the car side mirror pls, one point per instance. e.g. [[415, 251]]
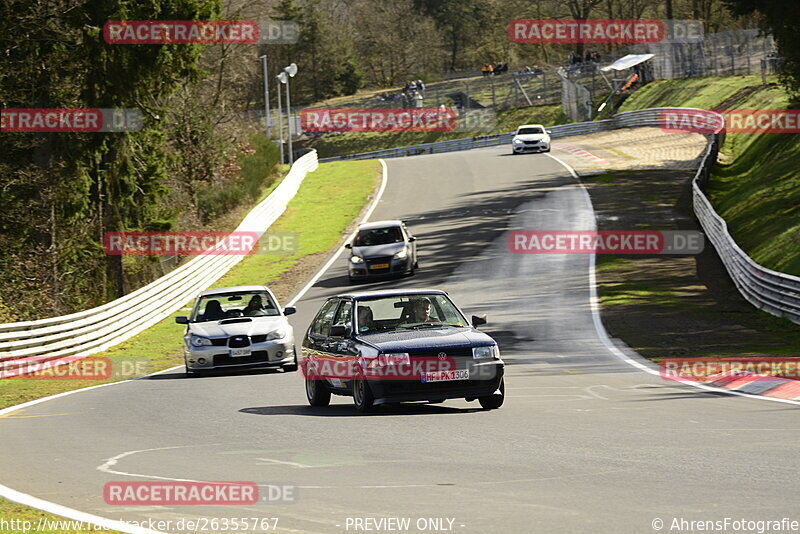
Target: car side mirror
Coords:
[[348, 245], [289, 310], [478, 320], [549, 131], [182, 319], [412, 239], [338, 330]]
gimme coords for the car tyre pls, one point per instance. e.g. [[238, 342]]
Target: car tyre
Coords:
[[317, 393], [492, 402], [292, 367], [362, 396]]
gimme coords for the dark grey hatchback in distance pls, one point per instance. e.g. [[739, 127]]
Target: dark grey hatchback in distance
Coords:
[[397, 346], [382, 248]]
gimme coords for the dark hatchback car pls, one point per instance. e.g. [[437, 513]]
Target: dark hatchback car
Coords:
[[382, 248], [397, 346]]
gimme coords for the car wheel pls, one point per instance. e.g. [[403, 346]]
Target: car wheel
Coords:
[[548, 149], [317, 393], [492, 402], [362, 396]]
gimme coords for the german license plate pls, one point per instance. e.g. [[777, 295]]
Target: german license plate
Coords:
[[446, 376], [238, 353], [379, 266]]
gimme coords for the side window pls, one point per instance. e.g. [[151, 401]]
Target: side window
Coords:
[[344, 316], [322, 324]]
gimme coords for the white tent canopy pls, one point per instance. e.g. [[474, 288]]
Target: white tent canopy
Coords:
[[627, 62]]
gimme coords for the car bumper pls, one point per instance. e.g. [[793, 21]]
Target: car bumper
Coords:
[[541, 147], [267, 354], [389, 391], [356, 271]]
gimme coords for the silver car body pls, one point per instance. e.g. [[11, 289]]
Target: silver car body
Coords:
[[238, 342]]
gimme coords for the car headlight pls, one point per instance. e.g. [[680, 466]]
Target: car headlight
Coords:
[[484, 353], [277, 334], [516, 141], [403, 254], [356, 259], [198, 341]]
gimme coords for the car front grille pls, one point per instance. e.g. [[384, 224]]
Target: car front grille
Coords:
[[238, 342], [255, 357]]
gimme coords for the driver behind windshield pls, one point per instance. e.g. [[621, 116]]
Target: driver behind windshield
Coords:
[[422, 311]]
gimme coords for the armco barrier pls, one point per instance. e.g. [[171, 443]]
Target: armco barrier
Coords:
[[74, 336], [771, 291]]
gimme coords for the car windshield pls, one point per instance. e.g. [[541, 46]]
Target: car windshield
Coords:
[[525, 131], [407, 312], [379, 236], [231, 305]]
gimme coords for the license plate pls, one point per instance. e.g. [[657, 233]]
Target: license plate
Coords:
[[379, 266], [238, 353], [446, 376]]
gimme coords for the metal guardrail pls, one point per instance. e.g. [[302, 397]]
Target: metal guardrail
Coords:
[[71, 337], [773, 292]]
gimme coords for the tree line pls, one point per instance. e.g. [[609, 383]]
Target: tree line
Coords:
[[199, 158]]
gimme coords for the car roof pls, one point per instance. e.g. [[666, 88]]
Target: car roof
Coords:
[[531, 126], [380, 224], [234, 289], [359, 295]]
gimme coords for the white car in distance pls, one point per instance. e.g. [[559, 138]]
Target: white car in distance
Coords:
[[533, 137]]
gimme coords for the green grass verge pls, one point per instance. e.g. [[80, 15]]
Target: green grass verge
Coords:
[[326, 204], [756, 186], [508, 120], [50, 524], [703, 93]]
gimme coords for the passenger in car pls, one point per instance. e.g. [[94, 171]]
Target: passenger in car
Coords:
[[365, 319], [254, 307]]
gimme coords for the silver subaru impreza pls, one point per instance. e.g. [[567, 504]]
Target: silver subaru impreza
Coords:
[[239, 328]]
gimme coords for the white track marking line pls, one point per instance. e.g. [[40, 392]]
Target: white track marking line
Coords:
[[70, 513], [106, 467], [281, 462], [322, 270], [603, 335]]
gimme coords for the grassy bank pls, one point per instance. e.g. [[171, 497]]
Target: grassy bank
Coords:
[[325, 206], [755, 185]]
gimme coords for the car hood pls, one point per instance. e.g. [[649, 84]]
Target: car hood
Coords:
[[389, 249], [532, 137], [239, 326], [433, 339]]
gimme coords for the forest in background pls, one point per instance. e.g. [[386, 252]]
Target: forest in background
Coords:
[[199, 159]]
